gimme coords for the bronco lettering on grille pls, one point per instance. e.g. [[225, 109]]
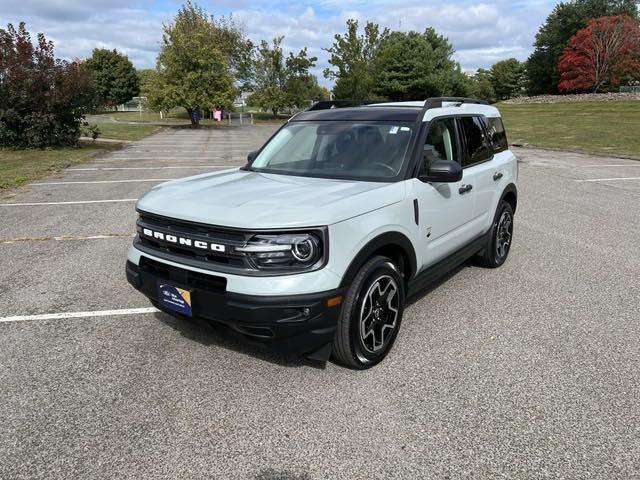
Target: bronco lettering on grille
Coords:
[[187, 242]]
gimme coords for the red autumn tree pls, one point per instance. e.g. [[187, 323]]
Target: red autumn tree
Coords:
[[601, 55]]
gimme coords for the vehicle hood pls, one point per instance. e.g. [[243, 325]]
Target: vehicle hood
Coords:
[[245, 199]]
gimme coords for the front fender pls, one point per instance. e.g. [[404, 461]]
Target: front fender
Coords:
[[350, 248]]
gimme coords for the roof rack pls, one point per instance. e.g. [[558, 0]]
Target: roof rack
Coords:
[[327, 104], [436, 102]]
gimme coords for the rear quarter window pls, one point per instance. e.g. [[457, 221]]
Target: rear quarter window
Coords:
[[497, 135]]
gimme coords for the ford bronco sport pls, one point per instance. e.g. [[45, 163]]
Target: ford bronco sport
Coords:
[[315, 244]]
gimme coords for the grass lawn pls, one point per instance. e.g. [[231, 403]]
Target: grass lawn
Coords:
[[594, 127], [145, 117], [179, 117], [20, 166], [264, 117], [123, 131]]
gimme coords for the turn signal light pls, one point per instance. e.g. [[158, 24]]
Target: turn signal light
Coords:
[[334, 301]]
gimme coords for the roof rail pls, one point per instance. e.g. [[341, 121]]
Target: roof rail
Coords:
[[327, 104], [441, 100], [436, 102]]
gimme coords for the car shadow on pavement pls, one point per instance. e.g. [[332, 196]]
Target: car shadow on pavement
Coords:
[[220, 336], [217, 335], [420, 294]]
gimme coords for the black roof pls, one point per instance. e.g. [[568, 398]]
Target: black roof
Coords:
[[394, 114]]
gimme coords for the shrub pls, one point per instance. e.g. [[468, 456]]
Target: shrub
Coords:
[[42, 100], [90, 130]]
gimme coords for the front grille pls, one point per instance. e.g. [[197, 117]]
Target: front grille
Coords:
[[224, 240], [183, 276]]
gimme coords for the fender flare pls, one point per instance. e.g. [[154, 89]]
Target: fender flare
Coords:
[[510, 189], [387, 239]]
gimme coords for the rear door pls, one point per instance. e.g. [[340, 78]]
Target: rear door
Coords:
[[445, 210], [492, 177], [480, 163]]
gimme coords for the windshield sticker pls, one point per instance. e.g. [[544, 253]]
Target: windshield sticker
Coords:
[[393, 130]]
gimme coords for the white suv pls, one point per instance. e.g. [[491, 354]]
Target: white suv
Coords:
[[314, 246]]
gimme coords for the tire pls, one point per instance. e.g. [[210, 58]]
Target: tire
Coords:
[[361, 345], [500, 238]]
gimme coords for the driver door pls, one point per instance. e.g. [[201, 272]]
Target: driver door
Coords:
[[445, 209]]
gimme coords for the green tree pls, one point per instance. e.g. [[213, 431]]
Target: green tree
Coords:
[[415, 66], [201, 60], [300, 83], [145, 75], [318, 92], [280, 81], [115, 77], [42, 99], [481, 86], [561, 24], [352, 57], [507, 78]]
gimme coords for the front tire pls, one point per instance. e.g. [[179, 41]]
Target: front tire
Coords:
[[500, 239], [371, 315]]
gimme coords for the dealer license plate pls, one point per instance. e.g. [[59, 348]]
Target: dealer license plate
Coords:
[[174, 298]]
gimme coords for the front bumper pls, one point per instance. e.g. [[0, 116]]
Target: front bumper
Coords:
[[296, 324]]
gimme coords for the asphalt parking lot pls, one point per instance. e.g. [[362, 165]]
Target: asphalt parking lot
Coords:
[[528, 371]]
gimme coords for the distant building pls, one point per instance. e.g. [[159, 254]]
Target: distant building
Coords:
[[136, 104]]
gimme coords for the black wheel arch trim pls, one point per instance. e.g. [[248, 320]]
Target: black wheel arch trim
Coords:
[[511, 188], [387, 239]]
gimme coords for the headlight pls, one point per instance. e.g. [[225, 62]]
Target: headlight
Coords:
[[285, 251]]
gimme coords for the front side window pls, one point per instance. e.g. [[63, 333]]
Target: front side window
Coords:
[[441, 142], [476, 141], [342, 150]]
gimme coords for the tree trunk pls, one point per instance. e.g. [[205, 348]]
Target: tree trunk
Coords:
[[275, 112]]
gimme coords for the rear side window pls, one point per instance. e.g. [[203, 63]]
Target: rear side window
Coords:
[[497, 135], [476, 141]]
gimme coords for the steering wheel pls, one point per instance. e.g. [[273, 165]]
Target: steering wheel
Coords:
[[385, 166]]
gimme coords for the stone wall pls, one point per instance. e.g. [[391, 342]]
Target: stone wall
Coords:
[[586, 97]]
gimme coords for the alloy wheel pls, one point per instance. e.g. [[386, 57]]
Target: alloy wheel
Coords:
[[503, 234], [379, 314]]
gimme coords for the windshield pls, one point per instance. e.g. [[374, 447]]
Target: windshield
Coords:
[[343, 150]]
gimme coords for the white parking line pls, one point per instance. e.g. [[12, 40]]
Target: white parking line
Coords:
[[150, 168], [65, 315], [152, 157], [608, 179], [66, 238], [82, 202], [106, 181], [600, 166]]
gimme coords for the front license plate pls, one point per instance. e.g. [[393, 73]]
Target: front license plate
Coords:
[[174, 298]]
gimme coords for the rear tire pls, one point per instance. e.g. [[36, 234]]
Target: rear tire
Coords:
[[371, 315], [500, 238]]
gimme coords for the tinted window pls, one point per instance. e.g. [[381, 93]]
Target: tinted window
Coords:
[[441, 142], [475, 140], [344, 150], [497, 135]]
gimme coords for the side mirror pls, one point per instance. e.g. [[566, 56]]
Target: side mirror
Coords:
[[443, 171], [252, 155]]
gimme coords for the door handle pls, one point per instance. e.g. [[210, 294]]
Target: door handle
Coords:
[[497, 176], [465, 188]]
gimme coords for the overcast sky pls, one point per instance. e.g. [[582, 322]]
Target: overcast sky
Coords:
[[481, 33]]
